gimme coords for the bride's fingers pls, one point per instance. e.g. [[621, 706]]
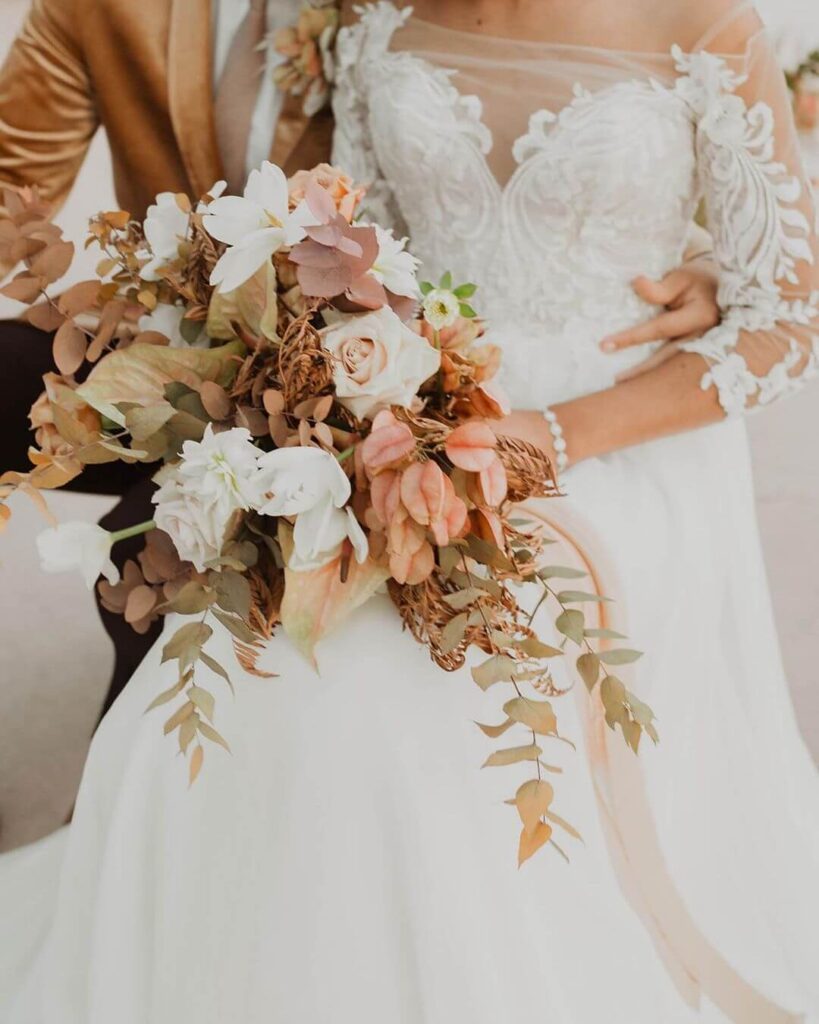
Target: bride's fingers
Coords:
[[664, 292], [662, 355], [673, 323]]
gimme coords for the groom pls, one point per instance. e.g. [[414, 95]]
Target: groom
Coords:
[[185, 90]]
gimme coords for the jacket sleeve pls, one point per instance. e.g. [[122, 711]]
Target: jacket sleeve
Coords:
[[47, 109]]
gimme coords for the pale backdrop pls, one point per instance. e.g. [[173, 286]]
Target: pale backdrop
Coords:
[[55, 658]]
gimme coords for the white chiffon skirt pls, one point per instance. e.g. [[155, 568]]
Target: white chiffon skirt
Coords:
[[349, 863]]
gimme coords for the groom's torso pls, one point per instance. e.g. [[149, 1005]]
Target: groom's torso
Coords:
[[144, 69]]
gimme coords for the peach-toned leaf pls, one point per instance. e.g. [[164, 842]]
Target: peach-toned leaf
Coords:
[[45, 317], [530, 843], [141, 602], [23, 288], [53, 262], [472, 446], [216, 402], [413, 567], [423, 492], [389, 442], [70, 344], [197, 757], [79, 297], [316, 603], [493, 483], [533, 799]]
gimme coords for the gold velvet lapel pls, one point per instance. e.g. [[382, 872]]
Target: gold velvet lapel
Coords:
[[190, 91]]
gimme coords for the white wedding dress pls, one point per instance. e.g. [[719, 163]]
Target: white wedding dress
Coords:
[[349, 862]]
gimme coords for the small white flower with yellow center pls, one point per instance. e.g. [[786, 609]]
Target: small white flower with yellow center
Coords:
[[442, 308]]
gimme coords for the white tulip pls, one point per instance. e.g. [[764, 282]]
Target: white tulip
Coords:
[[255, 226], [78, 545], [319, 534], [296, 480], [379, 361]]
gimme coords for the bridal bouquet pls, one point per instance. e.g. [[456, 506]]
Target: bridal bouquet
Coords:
[[320, 423]]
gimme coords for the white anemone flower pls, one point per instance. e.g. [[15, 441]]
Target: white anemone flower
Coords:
[[394, 267], [255, 226], [78, 545]]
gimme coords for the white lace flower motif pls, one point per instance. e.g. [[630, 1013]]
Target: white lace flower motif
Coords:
[[78, 545], [255, 226]]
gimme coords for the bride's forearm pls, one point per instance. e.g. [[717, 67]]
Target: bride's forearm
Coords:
[[663, 401]]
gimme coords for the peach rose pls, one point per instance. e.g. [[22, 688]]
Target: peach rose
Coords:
[[340, 186]]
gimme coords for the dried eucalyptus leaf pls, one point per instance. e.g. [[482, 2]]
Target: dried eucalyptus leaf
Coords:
[[564, 825], [235, 626], [537, 715], [203, 700], [571, 624], [532, 801], [166, 696], [178, 717], [212, 734], [232, 592], [214, 666], [453, 632], [499, 668], [530, 843], [588, 667], [495, 731], [197, 757], [620, 657], [604, 634], [513, 755], [560, 572], [192, 634], [578, 597]]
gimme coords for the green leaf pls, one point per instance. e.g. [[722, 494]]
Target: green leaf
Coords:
[[467, 311], [446, 281], [513, 755], [426, 287], [500, 668], [578, 597], [560, 572], [605, 634], [620, 657], [465, 291], [571, 624]]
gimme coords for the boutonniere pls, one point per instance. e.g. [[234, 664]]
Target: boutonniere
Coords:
[[804, 84], [307, 49]]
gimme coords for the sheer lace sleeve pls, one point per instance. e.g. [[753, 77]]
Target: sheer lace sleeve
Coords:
[[358, 49], [762, 217]]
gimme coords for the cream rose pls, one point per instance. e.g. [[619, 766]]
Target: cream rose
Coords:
[[379, 361], [78, 545], [195, 525]]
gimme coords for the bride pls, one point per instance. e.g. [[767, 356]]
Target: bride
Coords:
[[550, 159]]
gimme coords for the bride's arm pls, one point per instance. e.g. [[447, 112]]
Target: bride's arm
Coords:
[[763, 221]]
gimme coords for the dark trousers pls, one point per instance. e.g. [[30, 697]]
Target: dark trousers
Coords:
[[25, 355]]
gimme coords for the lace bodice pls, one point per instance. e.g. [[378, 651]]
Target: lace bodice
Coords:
[[605, 184]]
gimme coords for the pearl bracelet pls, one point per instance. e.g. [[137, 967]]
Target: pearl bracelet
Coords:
[[558, 441]]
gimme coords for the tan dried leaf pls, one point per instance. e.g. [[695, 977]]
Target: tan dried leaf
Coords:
[[141, 602], [70, 344], [530, 843], [197, 757], [513, 755]]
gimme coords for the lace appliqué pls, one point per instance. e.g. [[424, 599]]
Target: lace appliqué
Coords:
[[759, 235]]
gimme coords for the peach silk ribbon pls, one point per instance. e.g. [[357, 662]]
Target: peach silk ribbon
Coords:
[[695, 966], [237, 93]]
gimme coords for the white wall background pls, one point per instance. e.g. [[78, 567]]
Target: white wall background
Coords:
[[55, 658]]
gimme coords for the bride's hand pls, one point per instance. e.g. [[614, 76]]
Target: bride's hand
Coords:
[[690, 297]]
